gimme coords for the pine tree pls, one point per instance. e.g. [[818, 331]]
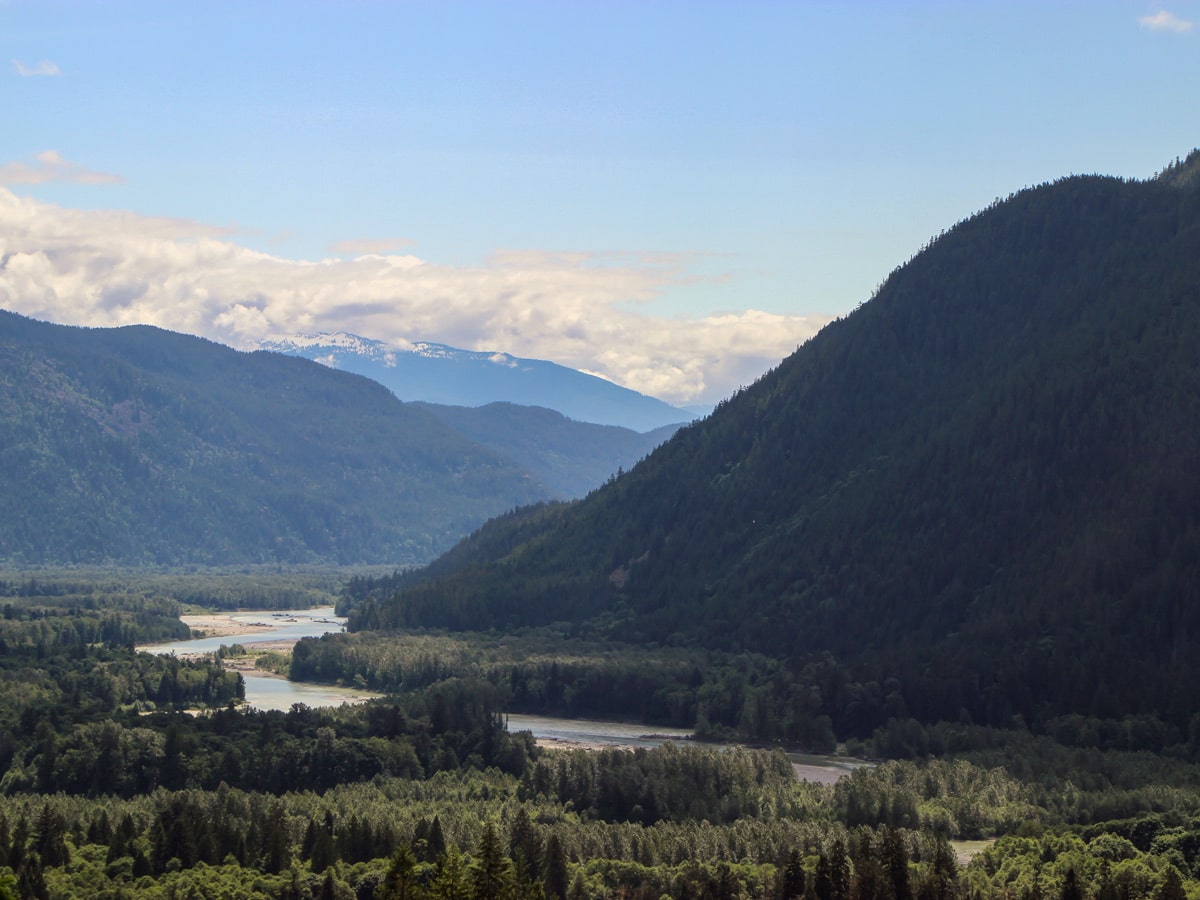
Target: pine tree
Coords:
[[1070, 886], [437, 840], [492, 873], [399, 883], [895, 856], [554, 876], [793, 876], [49, 837], [322, 854], [277, 851], [30, 883], [944, 877], [839, 871], [451, 881], [523, 841]]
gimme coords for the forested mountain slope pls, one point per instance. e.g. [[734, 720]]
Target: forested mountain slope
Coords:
[[136, 445], [571, 458], [978, 495]]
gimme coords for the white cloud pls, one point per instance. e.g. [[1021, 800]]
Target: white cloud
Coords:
[[1165, 21], [49, 165], [371, 246], [45, 67], [103, 268]]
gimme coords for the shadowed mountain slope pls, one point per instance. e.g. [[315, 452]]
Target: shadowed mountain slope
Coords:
[[571, 458], [979, 492], [136, 445]]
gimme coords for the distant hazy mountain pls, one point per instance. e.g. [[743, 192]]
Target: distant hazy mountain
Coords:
[[435, 373], [569, 457], [136, 445]]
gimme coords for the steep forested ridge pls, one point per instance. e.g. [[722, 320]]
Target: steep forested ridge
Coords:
[[136, 445], [977, 496]]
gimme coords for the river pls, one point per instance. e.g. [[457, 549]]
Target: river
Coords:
[[255, 628], [591, 734], [284, 627]]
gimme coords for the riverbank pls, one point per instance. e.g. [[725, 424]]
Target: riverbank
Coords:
[[260, 632], [265, 631], [225, 625]]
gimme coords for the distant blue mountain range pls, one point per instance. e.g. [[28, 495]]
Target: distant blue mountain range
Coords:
[[436, 373]]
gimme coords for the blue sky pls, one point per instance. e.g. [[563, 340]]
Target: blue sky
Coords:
[[670, 194]]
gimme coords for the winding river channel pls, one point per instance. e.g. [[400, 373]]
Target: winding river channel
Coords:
[[283, 628]]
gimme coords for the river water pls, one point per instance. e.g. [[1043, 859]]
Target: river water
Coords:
[[587, 733], [284, 625], [263, 690], [267, 692]]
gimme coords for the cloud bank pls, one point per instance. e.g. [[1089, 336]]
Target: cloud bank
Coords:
[[371, 246], [1165, 21], [105, 268], [49, 165]]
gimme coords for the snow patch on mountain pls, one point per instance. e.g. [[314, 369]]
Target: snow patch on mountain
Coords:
[[438, 373]]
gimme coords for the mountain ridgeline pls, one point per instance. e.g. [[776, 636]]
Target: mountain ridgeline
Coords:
[[449, 376], [570, 458], [976, 498], [140, 446]]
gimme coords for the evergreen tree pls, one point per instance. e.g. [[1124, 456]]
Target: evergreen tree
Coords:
[[491, 872], [822, 885], [554, 876], [793, 876], [322, 854], [277, 849], [400, 882], [437, 840], [31, 885], [839, 871], [1171, 886], [895, 855], [1070, 887], [944, 873], [99, 831], [523, 841], [452, 881]]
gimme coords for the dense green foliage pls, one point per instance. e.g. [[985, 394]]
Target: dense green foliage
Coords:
[[47, 614], [157, 598], [140, 446], [549, 672], [881, 835], [108, 789], [973, 499], [571, 458]]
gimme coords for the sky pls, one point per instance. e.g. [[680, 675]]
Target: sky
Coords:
[[672, 195]]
